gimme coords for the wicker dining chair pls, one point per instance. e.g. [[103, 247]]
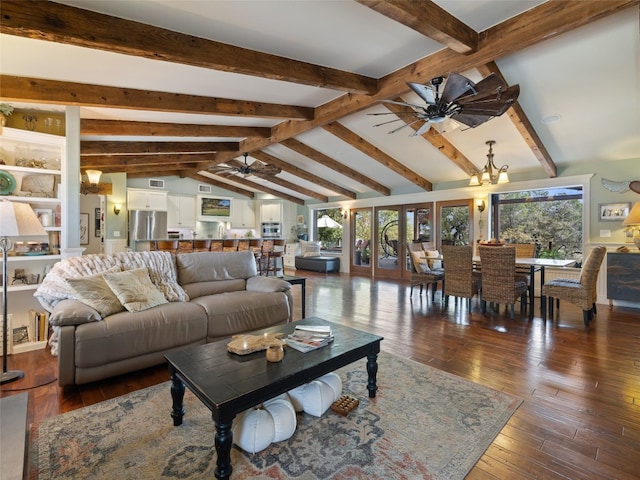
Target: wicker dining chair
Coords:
[[499, 278], [582, 292], [421, 274], [460, 278]]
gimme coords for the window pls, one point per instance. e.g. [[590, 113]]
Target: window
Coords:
[[328, 223], [550, 218]]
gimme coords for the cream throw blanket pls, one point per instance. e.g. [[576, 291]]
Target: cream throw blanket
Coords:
[[54, 287]]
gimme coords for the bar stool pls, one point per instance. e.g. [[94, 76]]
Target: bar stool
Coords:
[[255, 245], [274, 258], [202, 245], [216, 245], [230, 245], [167, 245]]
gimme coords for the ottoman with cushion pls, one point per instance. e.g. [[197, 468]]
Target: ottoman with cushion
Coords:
[[311, 259]]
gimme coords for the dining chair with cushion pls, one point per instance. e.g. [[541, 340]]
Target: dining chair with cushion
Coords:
[[499, 278], [582, 292], [460, 278], [421, 274]]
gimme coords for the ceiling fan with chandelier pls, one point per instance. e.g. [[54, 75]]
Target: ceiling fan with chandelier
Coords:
[[235, 167], [462, 101]]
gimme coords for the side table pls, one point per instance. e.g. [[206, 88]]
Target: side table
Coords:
[[302, 281]]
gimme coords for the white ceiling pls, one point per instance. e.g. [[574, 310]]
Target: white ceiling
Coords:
[[589, 77]]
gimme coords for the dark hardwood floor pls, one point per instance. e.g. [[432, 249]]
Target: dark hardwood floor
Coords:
[[580, 418]]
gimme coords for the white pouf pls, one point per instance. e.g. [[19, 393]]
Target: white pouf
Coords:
[[274, 421], [316, 397], [254, 430], [284, 418], [335, 382]]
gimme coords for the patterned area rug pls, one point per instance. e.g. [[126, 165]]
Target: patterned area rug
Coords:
[[423, 424]]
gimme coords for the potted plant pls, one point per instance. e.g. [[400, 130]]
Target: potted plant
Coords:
[[366, 255], [5, 111]]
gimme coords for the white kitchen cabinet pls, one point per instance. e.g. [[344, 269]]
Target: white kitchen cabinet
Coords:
[[32, 172], [243, 214], [140, 199], [181, 211], [271, 211]]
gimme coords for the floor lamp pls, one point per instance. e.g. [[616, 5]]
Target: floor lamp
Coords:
[[16, 220]]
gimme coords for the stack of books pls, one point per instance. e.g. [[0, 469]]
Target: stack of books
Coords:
[[310, 337]]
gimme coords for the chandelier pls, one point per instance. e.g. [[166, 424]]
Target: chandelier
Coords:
[[490, 173]]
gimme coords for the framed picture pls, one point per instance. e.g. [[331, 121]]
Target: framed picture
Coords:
[[45, 215], [98, 220], [614, 211], [214, 209], [84, 229]]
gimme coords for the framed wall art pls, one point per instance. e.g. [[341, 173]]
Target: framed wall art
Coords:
[[614, 211]]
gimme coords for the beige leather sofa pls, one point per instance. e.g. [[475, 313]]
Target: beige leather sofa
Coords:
[[211, 295]]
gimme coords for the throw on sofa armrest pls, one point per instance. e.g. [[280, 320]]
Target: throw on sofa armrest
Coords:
[[267, 285], [72, 312]]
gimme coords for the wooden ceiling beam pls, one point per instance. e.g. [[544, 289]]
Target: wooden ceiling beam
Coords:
[[226, 186], [83, 28], [156, 174], [128, 148], [157, 169], [376, 154], [154, 129], [265, 189], [524, 126], [278, 181], [430, 20], [298, 172], [437, 140], [103, 161], [325, 160], [84, 95]]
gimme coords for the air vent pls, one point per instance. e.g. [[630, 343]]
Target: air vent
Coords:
[[155, 183], [204, 188]]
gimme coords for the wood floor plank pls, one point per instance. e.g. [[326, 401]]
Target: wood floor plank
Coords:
[[580, 419]]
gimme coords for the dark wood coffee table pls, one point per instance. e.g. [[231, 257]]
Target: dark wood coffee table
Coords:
[[228, 383]]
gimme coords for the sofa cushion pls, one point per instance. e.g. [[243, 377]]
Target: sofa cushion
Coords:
[[73, 312], [230, 313], [200, 289], [134, 289], [267, 284], [126, 335], [208, 266], [94, 291], [162, 271], [309, 248]]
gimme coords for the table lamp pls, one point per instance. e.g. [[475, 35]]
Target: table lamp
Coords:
[[633, 221], [16, 220]]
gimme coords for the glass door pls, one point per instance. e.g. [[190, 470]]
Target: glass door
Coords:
[[388, 248], [361, 233]]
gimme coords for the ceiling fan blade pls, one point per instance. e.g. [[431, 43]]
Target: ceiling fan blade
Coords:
[[424, 92], [404, 104], [403, 126], [422, 130], [456, 85], [471, 120], [485, 88]]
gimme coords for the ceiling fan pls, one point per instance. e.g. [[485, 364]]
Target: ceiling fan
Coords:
[[235, 167], [462, 101]]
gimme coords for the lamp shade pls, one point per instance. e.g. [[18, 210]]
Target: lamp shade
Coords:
[[18, 219], [634, 216], [94, 176]]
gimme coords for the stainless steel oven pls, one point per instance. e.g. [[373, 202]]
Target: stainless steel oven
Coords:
[[271, 230]]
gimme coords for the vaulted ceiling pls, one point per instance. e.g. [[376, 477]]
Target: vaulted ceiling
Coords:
[[175, 88]]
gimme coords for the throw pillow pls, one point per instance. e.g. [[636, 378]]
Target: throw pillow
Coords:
[[434, 262], [420, 262], [94, 292], [310, 249], [134, 289]]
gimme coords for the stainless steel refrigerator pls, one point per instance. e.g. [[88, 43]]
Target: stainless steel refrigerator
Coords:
[[147, 225]]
